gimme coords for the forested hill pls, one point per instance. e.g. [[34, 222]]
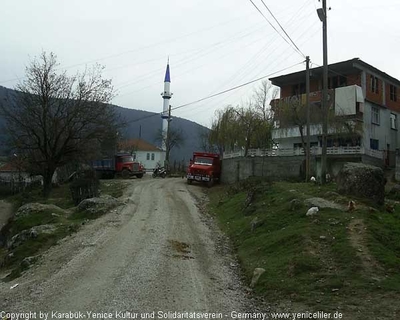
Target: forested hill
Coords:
[[150, 123]]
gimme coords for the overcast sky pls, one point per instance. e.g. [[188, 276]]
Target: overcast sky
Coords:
[[213, 45]]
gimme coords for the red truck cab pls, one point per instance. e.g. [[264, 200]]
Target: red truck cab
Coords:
[[127, 166], [204, 167], [120, 164]]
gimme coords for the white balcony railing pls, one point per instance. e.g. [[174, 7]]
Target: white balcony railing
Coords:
[[299, 152]]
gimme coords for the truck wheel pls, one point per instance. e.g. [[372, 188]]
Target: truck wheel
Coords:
[[210, 183], [140, 176], [125, 174], [189, 181]]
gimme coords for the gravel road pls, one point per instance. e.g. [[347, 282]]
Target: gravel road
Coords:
[[158, 252]]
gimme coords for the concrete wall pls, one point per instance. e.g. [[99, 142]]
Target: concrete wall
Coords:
[[237, 169], [280, 168], [373, 161], [397, 171]]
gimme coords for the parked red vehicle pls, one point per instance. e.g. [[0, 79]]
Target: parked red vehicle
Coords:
[[204, 167], [121, 164]]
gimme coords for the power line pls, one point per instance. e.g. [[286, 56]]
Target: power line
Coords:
[[187, 71], [139, 49], [204, 51], [219, 93], [273, 16], [285, 58], [255, 6]]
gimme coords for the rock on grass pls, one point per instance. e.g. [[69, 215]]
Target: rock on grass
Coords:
[[362, 180], [98, 206]]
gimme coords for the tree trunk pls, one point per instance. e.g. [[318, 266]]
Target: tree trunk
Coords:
[[47, 182], [305, 147], [303, 143], [247, 146]]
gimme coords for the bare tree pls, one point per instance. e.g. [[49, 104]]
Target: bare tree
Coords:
[[58, 118], [262, 97], [175, 139]]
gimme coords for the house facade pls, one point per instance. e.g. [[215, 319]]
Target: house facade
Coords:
[[147, 154], [364, 98]]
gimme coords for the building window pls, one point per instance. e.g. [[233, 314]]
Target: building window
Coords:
[[374, 144], [393, 121], [148, 156], [375, 115], [337, 82], [393, 93], [152, 156], [374, 84], [299, 89]]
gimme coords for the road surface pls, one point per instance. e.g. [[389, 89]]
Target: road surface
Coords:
[[157, 253]]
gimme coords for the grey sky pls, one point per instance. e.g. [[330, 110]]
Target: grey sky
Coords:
[[213, 45]]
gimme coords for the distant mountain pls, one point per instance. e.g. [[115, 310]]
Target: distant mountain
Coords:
[[149, 122], [150, 125]]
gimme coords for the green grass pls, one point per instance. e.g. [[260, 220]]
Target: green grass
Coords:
[[114, 188], [299, 265]]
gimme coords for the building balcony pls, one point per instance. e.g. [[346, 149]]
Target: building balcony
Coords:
[[346, 102]]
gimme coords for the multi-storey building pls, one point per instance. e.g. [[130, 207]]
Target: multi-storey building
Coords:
[[360, 94]]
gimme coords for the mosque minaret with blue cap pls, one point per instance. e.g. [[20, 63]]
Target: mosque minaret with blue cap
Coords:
[[166, 95]]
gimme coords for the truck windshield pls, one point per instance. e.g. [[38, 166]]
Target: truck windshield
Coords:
[[127, 159], [206, 161]]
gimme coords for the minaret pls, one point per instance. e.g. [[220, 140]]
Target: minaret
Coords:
[[166, 96]]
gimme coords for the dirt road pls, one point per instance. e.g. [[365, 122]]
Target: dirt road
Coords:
[[159, 252]]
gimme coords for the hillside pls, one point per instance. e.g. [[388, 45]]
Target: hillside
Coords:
[[335, 261], [149, 126]]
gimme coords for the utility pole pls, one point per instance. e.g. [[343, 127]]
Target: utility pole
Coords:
[[308, 147], [323, 16], [167, 140]]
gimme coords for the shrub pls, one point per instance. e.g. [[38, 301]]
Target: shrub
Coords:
[[84, 186]]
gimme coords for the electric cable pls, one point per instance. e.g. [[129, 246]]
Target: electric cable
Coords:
[[216, 94], [274, 27], [273, 16]]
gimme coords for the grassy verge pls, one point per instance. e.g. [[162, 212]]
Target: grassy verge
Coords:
[[64, 222], [335, 260]]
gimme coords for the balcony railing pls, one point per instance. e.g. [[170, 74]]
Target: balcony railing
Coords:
[[315, 151], [347, 102]]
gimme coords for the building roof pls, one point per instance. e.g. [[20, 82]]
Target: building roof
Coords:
[[137, 145], [9, 167], [340, 68]]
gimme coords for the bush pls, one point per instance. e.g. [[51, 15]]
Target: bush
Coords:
[[84, 186]]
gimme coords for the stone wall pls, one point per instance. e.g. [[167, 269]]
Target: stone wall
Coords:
[[373, 161], [397, 171], [293, 167], [237, 169]]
